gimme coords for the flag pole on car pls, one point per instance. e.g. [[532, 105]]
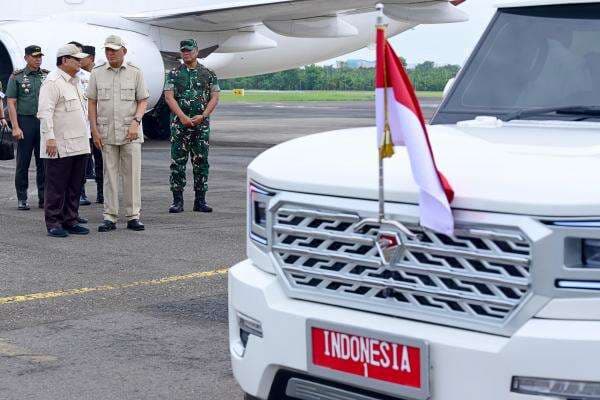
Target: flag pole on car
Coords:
[[400, 122], [386, 147]]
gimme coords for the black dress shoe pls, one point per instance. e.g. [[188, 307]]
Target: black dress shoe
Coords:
[[57, 232], [77, 230], [107, 226], [81, 220], [135, 225], [22, 205], [100, 198], [84, 201]]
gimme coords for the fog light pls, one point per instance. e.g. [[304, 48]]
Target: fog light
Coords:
[[555, 387], [248, 326]]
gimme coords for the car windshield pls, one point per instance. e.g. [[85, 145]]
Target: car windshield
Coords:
[[531, 57]]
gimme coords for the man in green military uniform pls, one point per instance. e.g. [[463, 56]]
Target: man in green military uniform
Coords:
[[23, 92], [192, 93]]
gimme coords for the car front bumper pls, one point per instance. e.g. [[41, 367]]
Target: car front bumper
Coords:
[[463, 364]]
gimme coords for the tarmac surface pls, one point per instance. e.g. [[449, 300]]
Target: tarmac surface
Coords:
[[140, 315]]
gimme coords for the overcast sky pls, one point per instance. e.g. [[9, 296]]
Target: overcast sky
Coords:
[[443, 44]]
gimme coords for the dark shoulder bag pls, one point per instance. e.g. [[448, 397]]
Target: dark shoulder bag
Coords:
[[7, 147]]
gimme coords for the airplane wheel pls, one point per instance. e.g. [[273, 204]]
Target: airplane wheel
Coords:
[[156, 122]]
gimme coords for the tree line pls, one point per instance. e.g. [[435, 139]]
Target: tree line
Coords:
[[425, 77]]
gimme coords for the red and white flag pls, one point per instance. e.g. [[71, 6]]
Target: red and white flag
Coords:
[[400, 122]]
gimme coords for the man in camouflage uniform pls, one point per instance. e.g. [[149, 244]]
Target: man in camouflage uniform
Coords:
[[192, 93], [23, 92]]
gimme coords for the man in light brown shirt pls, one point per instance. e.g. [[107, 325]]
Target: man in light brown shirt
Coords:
[[64, 143], [118, 98]]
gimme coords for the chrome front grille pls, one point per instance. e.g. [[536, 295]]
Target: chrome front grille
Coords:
[[481, 274]]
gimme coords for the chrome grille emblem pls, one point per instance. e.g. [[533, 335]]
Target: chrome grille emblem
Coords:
[[389, 240]]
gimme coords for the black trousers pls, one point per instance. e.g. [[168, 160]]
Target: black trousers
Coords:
[[98, 165], [63, 187], [30, 143], [95, 158]]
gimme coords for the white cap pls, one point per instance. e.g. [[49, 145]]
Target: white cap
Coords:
[[114, 42], [70, 50]]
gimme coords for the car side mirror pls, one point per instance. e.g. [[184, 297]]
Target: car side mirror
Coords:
[[448, 87]]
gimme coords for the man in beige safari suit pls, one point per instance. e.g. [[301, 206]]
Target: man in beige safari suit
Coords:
[[63, 143], [118, 98]]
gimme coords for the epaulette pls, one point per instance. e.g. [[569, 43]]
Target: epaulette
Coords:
[[99, 65], [45, 71], [208, 69], [18, 71], [177, 68], [132, 65]]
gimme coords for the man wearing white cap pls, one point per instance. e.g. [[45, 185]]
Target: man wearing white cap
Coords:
[[64, 143], [117, 98]]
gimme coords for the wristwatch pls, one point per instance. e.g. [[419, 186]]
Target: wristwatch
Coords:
[[138, 120]]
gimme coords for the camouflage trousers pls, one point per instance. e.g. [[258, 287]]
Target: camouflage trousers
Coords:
[[192, 143]]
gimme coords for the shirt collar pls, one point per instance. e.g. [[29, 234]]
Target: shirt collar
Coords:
[[29, 71], [123, 66], [66, 76]]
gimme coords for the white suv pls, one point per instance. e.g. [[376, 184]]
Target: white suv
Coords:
[[326, 307]]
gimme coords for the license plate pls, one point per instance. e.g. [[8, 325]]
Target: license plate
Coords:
[[382, 362]]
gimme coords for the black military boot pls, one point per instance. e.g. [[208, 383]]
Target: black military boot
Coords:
[[200, 203], [177, 206]]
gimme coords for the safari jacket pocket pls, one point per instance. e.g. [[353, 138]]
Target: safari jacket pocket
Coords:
[[72, 103], [127, 122], [102, 123], [77, 145], [104, 93], [74, 134], [128, 91]]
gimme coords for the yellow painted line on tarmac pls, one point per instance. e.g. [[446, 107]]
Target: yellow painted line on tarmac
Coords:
[[107, 288], [10, 350]]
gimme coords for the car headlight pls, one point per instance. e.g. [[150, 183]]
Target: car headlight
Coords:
[[591, 253], [258, 202], [582, 256]]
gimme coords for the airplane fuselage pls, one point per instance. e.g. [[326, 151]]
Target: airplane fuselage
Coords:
[[51, 23]]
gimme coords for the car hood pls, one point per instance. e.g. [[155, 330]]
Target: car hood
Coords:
[[539, 168]]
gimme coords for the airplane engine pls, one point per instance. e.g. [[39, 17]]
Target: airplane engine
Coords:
[[50, 34]]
